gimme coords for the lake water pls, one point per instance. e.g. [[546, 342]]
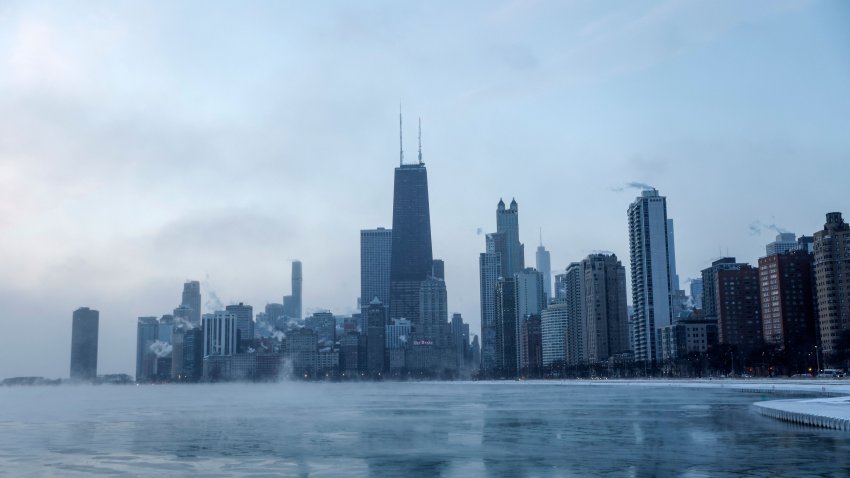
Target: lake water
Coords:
[[405, 429]]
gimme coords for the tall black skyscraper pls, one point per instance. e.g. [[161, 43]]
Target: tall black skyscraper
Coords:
[[84, 344], [412, 260]]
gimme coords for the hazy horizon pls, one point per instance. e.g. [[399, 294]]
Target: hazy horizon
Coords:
[[144, 144]]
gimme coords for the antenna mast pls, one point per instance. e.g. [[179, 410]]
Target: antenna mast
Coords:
[[400, 144], [420, 140]]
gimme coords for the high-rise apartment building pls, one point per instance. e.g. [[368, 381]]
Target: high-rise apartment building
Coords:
[[788, 313], [832, 279], [709, 284], [696, 293], [324, 324], [553, 329], [605, 317], [650, 271], [192, 300], [489, 265], [738, 307], [375, 256], [84, 331], [574, 299]]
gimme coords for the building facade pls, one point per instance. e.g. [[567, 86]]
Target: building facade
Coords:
[[84, 335], [832, 279]]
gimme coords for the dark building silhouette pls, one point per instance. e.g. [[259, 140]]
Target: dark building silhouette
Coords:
[[506, 326], [532, 346], [84, 330], [738, 307], [193, 355], [376, 321], [788, 311], [292, 303], [832, 279], [375, 255], [411, 261]]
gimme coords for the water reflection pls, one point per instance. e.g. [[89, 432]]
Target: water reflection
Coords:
[[408, 429]]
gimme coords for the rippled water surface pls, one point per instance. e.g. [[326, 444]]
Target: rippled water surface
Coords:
[[405, 429]]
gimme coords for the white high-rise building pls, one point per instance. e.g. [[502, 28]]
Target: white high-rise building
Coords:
[[219, 333], [651, 281], [785, 241], [553, 326]]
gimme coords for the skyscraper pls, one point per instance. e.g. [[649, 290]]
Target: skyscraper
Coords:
[[84, 330], [507, 224], [832, 278], [738, 307], [506, 328], [785, 241], [574, 298], [489, 264], [376, 247], [544, 266], [147, 332], [244, 324], [376, 321], [606, 320], [696, 293], [651, 282], [529, 302], [219, 333], [411, 259], [192, 300], [297, 289], [553, 323], [433, 307], [292, 303], [788, 312]]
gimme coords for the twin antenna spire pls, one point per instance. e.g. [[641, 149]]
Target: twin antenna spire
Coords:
[[401, 143]]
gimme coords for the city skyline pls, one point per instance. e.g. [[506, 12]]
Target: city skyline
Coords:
[[116, 212]]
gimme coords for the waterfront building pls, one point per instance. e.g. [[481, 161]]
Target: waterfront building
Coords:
[[376, 320], [788, 312], [506, 328], [489, 264], [604, 314], [574, 299], [529, 301], [553, 330], [650, 271], [84, 336], [147, 332], [738, 307], [832, 279]]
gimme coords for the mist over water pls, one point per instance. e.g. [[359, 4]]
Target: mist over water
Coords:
[[404, 429]]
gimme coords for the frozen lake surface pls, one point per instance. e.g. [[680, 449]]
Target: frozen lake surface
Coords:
[[406, 429]]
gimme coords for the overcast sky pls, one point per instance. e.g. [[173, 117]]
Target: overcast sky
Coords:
[[146, 143]]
